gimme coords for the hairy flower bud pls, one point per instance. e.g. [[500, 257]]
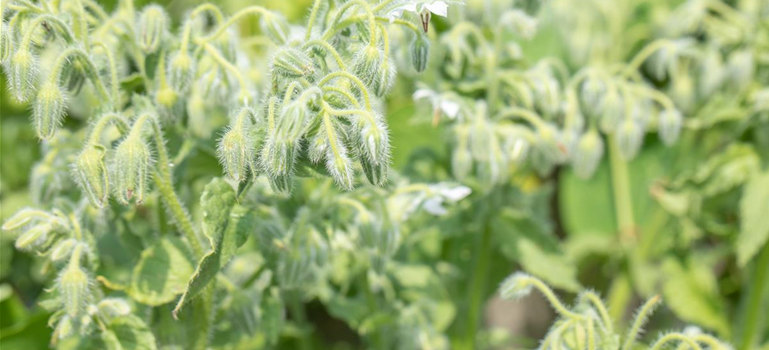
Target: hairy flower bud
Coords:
[[22, 74], [516, 286], [275, 26], [629, 138], [420, 53], [374, 69], [588, 154], [281, 184], [292, 63], [236, 153], [338, 162], [741, 67], [64, 328], [73, 284], [113, 307], [181, 70], [593, 96], [152, 25], [613, 112], [669, 126], [282, 147], [24, 217], [63, 249], [48, 109], [372, 141], [132, 164], [91, 174], [6, 42], [33, 237]]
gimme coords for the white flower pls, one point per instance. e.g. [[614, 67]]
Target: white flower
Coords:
[[444, 193], [440, 102], [431, 198], [424, 8]]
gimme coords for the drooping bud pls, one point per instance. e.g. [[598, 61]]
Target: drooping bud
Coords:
[[152, 25], [91, 174], [63, 328], [132, 165], [373, 143], [420, 53], [24, 217], [6, 43], [588, 154], [113, 307], [34, 237], [275, 26], [62, 249], [613, 112], [292, 63], [181, 70], [593, 96], [235, 152], [281, 184], [22, 74], [516, 286], [629, 138], [48, 109], [741, 67], [669, 125], [74, 286], [338, 162], [282, 146], [373, 69]]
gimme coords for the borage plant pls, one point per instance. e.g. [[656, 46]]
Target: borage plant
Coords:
[[146, 101]]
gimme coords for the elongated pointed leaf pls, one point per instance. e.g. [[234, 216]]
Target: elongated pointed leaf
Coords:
[[161, 273]]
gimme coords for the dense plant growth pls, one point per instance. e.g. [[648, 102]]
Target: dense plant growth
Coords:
[[221, 177]]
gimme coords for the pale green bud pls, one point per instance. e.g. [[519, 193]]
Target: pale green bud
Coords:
[[669, 126], [629, 138], [294, 269], [292, 63], [741, 67], [24, 217], [338, 162], [318, 146], [281, 184], [547, 94], [6, 43], [196, 114], [517, 149], [62, 249], [275, 26], [613, 112], [521, 23], [236, 153], [516, 286], [152, 25], [74, 286], [373, 143], [48, 109], [683, 92], [282, 146], [181, 70], [33, 237], [64, 328], [113, 307], [593, 96], [588, 154], [132, 165], [711, 72], [420, 53], [373, 69], [90, 172], [22, 74]]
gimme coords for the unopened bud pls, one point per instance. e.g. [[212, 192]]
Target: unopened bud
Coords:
[[74, 286], [166, 98], [24, 217], [629, 138], [281, 184], [113, 307], [6, 43], [48, 109], [22, 74], [521, 23], [593, 96], [613, 112], [373, 143], [132, 164], [275, 26], [420, 53], [62, 249], [181, 70], [588, 154], [338, 162], [63, 328], [282, 148], [292, 63], [151, 27], [741, 68], [375, 71], [91, 174], [669, 126], [517, 286], [34, 237], [235, 153]]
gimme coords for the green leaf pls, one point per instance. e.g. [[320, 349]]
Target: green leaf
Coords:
[[754, 206], [554, 269], [728, 169], [227, 228], [691, 292], [161, 273], [128, 333]]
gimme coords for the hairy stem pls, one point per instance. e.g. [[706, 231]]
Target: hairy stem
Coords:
[[755, 301]]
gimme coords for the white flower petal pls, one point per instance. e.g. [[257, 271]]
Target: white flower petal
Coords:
[[456, 193], [439, 8], [450, 108], [434, 205], [423, 93]]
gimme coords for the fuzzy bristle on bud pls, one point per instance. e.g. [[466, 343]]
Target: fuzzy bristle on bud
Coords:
[[669, 126], [373, 144], [152, 25], [90, 172], [420, 53], [6, 43], [132, 164], [275, 26], [33, 237], [113, 307], [181, 70], [515, 286], [235, 153], [629, 138], [48, 109], [282, 145], [292, 63], [338, 162], [23, 217], [74, 286], [588, 154], [371, 66], [21, 76], [62, 249]]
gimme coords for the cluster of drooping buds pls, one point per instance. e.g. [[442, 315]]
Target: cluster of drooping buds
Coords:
[[589, 321]]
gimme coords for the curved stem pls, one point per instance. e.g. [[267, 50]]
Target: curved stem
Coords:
[[602, 312], [640, 320], [39, 20], [330, 49], [344, 93], [311, 22], [660, 344], [88, 67], [645, 53], [354, 80], [105, 120], [208, 7], [114, 82], [527, 115], [336, 26], [234, 19], [230, 67]]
